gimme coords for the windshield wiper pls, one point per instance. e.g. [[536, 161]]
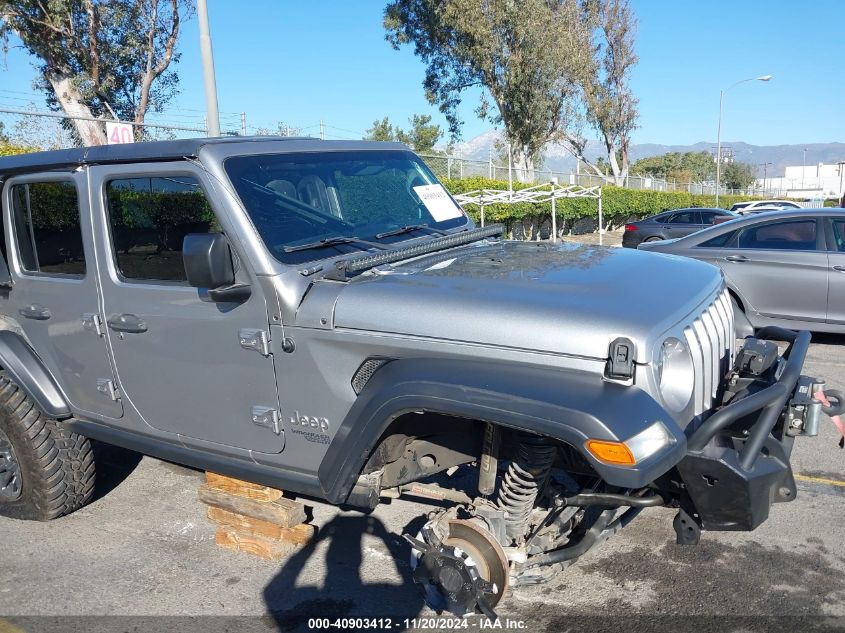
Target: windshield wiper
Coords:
[[408, 228], [334, 241]]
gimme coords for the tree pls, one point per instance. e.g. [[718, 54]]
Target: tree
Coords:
[[100, 58], [611, 106], [422, 136], [738, 175], [282, 129], [381, 131], [682, 167], [530, 57]]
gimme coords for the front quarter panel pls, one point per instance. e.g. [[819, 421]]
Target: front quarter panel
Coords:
[[566, 405]]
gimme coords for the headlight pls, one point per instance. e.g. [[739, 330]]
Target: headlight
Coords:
[[675, 374]]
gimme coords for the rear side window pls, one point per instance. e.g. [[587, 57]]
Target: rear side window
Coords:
[[719, 241], [686, 217], [149, 218], [48, 234], [794, 235]]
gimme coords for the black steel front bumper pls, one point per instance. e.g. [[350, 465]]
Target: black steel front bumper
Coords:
[[737, 462]]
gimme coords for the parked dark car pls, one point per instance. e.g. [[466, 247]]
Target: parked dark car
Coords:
[[784, 268], [670, 224]]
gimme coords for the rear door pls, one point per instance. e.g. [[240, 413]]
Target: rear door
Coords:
[[55, 296], [836, 254], [683, 223], [188, 365], [780, 268]]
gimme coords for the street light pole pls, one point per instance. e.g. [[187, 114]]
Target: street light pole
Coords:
[[212, 114], [803, 168], [719, 128]]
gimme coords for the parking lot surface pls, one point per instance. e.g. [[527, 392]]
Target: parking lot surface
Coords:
[[144, 548]]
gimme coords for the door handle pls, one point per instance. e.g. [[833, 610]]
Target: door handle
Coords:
[[127, 323], [841, 269], [35, 311], [736, 258]]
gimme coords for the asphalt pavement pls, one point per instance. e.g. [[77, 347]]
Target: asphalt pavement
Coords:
[[143, 548]]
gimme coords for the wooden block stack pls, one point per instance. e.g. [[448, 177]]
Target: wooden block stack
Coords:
[[254, 519]]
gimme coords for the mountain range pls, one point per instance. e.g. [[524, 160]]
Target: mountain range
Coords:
[[557, 158]]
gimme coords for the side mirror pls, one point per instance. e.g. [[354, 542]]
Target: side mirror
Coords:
[[208, 264]]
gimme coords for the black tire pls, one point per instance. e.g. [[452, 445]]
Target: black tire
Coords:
[[52, 469], [653, 238]]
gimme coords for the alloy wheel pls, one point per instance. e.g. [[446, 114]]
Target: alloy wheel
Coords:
[[10, 471]]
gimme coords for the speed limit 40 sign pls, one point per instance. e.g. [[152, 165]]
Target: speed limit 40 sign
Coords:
[[118, 132]]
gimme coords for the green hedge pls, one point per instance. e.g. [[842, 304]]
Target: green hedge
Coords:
[[617, 202]]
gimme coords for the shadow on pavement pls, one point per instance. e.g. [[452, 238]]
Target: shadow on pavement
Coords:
[[826, 338], [114, 465], [344, 593]]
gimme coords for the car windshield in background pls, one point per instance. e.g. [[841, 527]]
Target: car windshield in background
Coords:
[[301, 203]]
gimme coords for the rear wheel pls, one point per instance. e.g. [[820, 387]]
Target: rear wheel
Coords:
[[46, 471], [653, 238]]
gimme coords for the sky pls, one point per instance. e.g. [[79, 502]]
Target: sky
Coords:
[[302, 62]]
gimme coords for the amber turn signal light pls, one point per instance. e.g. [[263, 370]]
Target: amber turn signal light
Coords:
[[611, 452]]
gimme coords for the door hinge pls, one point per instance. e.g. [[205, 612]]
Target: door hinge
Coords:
[[92, 322], [255, 340], [268, 417], [106, 386]]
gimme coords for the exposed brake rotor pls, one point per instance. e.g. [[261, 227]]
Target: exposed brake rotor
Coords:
[[463, 573]]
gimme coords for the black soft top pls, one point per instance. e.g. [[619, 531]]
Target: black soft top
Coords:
[[160, 151]]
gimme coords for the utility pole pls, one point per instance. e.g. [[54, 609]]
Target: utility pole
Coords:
[[322, 131], [243, 123], [212, 114], [765, 167]]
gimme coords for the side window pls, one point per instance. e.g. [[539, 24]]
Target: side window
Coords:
[[839, 235], [794, 235], [149, 218], [719, 241], [708, 217], [48, 234], [685, 217]]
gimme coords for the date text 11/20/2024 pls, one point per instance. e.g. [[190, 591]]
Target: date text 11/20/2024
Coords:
[[434, 624]]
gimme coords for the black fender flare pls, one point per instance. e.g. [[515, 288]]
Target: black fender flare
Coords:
[[568, 405], [22, 364]]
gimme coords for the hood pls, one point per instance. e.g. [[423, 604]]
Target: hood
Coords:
[[559, 298]]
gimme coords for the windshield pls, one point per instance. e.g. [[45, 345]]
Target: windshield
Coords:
[[299, 200]]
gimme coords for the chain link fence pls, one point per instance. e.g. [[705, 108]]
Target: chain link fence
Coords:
[[458, 168], [52, 130]]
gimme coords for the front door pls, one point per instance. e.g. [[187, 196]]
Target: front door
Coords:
[[781, 268], [178, 355], [54, 297]]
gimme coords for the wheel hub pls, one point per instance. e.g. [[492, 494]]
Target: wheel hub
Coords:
[[464, 572], [10, 471]]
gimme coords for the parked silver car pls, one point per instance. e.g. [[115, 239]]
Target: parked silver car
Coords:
[[782, 268]]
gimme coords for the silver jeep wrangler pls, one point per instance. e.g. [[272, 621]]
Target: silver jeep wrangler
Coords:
[[322, 317]]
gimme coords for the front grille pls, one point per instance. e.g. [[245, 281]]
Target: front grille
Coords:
[[712, 342]]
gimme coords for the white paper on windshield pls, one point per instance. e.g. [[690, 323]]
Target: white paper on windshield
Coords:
[[437, 201]]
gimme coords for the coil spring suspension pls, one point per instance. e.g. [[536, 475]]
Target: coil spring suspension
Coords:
[[524, 479]]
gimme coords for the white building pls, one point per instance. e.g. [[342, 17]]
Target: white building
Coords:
[[808, 181]]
